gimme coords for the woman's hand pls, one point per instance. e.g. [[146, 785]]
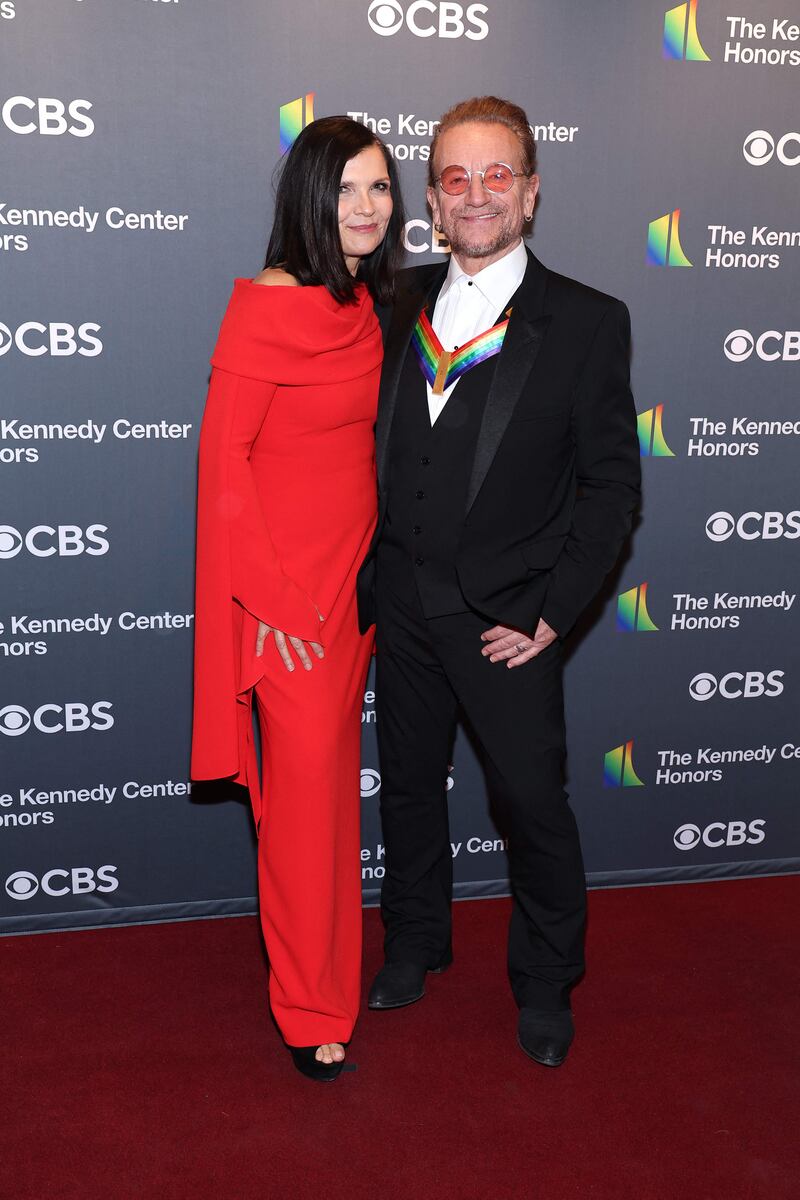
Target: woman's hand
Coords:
[[283, 642]]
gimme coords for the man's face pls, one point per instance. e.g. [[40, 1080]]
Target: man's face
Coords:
[[481, 226]]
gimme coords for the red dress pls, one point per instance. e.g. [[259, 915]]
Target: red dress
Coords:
[[286, 510]]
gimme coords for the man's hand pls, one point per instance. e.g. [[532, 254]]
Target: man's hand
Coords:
[[514, 648], [282, 643]]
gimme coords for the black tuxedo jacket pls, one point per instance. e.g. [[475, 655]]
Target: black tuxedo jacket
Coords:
[[556, 474]]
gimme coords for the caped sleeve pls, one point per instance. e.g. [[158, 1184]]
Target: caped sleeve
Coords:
[[240, 580], [227, 496]]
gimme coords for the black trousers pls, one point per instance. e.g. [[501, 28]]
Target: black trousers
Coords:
[[426, 669]]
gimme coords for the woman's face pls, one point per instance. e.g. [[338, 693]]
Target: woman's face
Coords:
[[365, 205]]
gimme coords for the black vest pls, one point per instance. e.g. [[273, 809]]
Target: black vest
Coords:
[[429, 470]]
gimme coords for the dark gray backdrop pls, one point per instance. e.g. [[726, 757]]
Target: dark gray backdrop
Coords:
[[173, 106]]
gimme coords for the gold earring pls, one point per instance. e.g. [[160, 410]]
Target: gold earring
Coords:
[[438, 228]]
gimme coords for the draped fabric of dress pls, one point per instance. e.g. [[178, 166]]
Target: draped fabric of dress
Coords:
[[286, 511]]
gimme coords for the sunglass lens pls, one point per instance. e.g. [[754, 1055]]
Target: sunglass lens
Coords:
[[454, 180], [498, 177]]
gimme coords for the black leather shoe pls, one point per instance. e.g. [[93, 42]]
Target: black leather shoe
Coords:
[[545, 1036], [399, 983], [307, 1063]]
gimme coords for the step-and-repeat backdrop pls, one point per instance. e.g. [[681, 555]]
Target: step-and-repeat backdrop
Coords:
[[138, 140]]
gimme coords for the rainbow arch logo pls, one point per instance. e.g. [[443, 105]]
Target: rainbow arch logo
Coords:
[[680, 34], [618, 770], [664, 247], [632, 614], [294, 117], [652, 443]]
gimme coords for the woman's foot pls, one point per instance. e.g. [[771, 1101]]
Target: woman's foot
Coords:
[[331, 1052], [318, 1062]]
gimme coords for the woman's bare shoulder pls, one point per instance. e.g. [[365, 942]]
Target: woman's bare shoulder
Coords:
[[276, 277]]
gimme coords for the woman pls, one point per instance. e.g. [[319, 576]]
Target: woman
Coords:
[[286, 510]]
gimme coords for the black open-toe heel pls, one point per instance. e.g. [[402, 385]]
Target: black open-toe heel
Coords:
[[304, 1058]]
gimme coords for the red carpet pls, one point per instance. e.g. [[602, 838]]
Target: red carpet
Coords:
[[139, 1063]]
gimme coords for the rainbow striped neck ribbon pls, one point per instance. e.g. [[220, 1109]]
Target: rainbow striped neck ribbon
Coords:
[[443, 367]]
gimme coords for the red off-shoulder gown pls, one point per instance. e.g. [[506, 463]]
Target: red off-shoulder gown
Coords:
[[286, 510]]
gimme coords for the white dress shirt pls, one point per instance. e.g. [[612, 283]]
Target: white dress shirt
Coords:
[[469, 304]]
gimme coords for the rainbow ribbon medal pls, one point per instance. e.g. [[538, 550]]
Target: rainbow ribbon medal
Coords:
[[442, 367]]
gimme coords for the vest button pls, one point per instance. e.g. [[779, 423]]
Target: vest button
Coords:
[[420, 495], [425, 460], [418, 562], [416, 529]]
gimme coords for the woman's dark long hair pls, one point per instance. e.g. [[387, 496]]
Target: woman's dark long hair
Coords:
[[305, 238]]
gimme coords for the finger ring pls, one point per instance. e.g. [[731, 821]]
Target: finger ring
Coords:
[[521, 648]]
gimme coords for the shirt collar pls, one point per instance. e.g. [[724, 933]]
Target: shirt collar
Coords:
[[497, 282]]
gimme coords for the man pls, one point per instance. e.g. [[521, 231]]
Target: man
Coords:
[[508, 470]]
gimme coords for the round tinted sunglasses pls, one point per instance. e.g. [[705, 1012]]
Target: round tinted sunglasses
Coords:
[[497, 177]]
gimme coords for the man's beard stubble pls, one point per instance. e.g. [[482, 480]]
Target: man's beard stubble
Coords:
[[505, 236]]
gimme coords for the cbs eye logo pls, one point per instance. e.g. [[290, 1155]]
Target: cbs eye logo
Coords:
[[14, 720], [720, 526], [10, 541], [760, 147], [385, 17], [370, 782], [22, 885], [687, 837], [739, 345], [703, 686]]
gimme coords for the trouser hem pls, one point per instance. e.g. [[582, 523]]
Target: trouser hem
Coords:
[[418, 960]]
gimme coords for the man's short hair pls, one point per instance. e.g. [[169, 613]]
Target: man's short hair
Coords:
[[492, 111]]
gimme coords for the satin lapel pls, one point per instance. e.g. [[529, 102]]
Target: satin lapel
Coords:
[[526, 331], [405, 318]]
